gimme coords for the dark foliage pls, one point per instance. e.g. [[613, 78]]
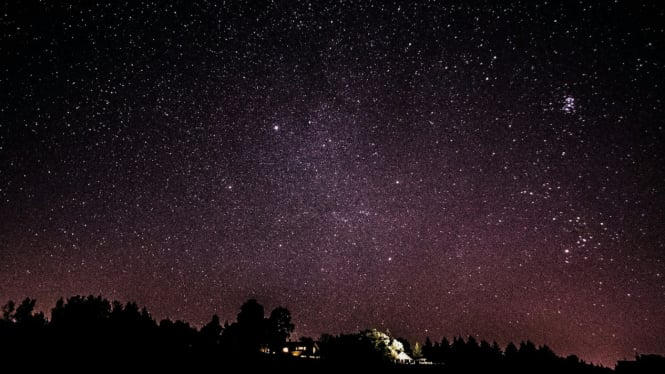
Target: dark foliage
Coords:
[[91, 329], [473, 356], [643, 364]]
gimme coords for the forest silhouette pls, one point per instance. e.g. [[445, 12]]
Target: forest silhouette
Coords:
[[112, 336]]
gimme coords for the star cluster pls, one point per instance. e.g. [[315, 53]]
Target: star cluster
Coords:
[[433, 169]]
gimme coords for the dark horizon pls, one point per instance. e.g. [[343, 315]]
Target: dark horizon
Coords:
[[95, 328], [491, 170]]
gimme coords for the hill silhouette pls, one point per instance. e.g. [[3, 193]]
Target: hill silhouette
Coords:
[[94, 334]]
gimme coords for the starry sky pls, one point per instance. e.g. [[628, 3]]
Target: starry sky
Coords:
[[430, 168]]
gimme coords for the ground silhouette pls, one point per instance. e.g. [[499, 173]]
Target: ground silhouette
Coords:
[[93, 334]]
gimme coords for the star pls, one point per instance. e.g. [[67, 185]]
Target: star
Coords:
[[569, 106]]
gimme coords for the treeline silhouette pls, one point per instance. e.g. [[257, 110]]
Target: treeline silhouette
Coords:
[[460, 355], [94, 329], [115, 336]]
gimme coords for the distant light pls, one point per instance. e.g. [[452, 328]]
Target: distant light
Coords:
[[276, 127]]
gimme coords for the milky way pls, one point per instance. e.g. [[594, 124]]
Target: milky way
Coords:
[[428, 169]]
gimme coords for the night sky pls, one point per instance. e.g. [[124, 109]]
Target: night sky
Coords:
[[432, 169]]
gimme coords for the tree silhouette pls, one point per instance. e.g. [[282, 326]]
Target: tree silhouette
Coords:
[[80, 312], [361, 348], [176, 339], [21, 329], [279, 328], [248, 334], [130, 330], [8, 311], [210, 334], [251, 314], [511, 351], [428, 349], [23, 315], [252, 326]]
